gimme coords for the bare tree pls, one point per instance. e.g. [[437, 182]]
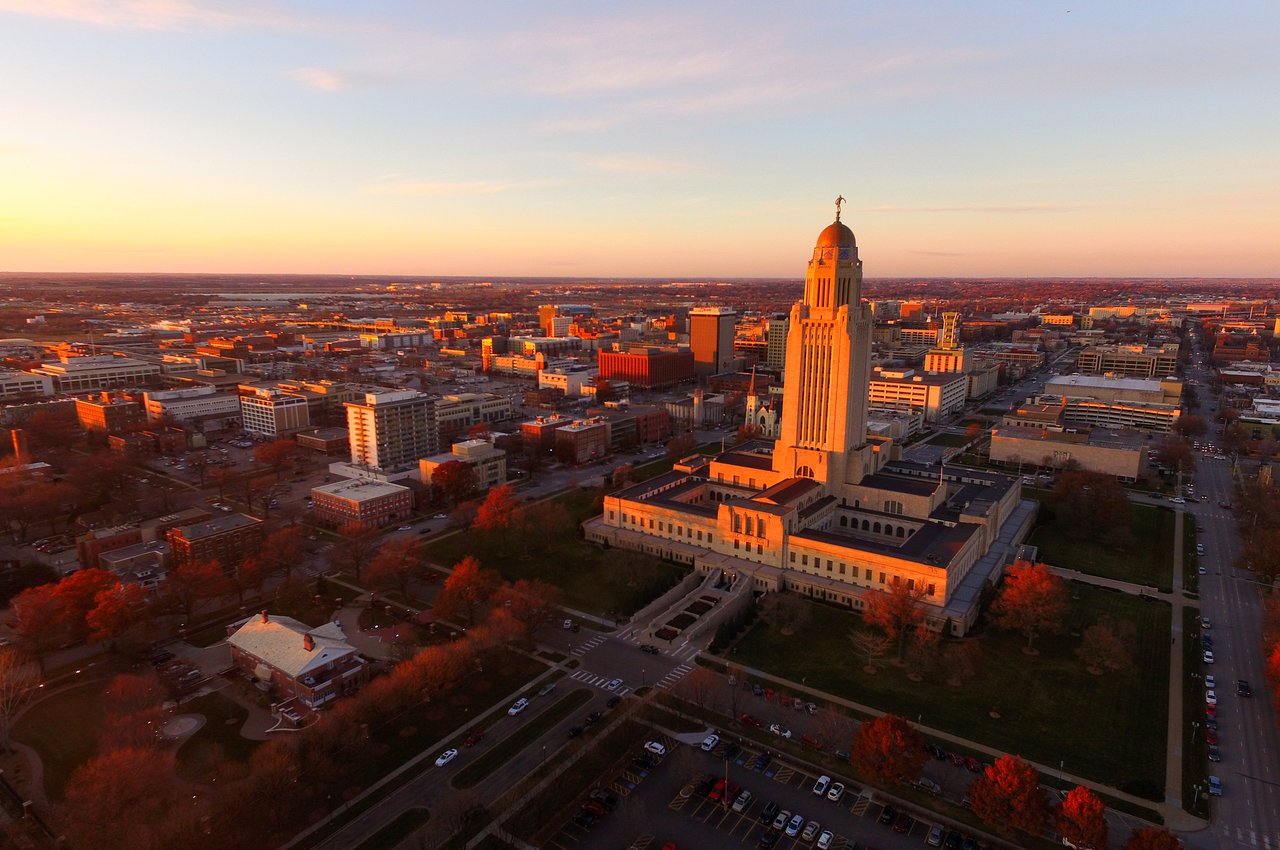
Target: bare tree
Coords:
[[871, 645], [18, 680], [698, 686]]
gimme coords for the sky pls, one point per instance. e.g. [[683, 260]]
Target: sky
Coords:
[[653, 139]]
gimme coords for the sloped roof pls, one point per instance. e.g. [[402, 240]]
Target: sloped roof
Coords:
[[279, 642]]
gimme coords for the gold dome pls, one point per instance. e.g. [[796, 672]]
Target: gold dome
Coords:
[[837, 235]]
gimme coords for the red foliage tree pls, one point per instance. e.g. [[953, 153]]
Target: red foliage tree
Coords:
[[281, 551], [79, 594], [455, 479], [354, 549], [535, 605], [39, 613], [498, 510], [1008, 794], [133, 782], [277, 454], [117, 610], [132, 712], [1082, 819], [888, 748], [466, 591], [1033, 601], [896, 611], [1153, 838], [396, 564]]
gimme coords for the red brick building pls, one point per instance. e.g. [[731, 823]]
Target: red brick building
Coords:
[[647, 368], [370, 503], [227, 539]]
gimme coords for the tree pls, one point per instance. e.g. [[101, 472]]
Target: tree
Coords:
[[396, 564], [535, 604], [117, 610], [1033, 601], [1082, 819], [1153, 838], [922, 652], [1107, 645], [747, 433], [1261, 554], [681, 445], [498, 510], [872, 645], [279, 455], [1008, 794], [1176, 454], [18, 680], [132, 712], [79, 594], [1091, 501], [466, 591], [41, 623], [199, 464], [455, 479], [896, 611], [224, 479], [698, 686], [1191, 426], [887, 749], [282, 550], [134, 780], [963, 662], [354, 548], [623, 475], [193, 583], [786, 611]]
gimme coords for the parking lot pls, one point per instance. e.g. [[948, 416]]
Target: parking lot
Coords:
[[667, 804]]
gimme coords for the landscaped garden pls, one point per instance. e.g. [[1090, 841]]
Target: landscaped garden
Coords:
[[1046, 707], [217, 750], [1144, 556], [609, 582]]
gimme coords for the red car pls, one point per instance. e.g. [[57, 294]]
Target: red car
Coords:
[[473, 739], [973, 765], [1211, 710], [1211, 738], [750, 721]]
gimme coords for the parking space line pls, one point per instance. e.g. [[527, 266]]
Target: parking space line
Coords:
[[641, 842], [784, 775]]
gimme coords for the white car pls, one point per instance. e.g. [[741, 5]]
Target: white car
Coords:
[[446, 757], [518, 706], [406, 528], [810, 831], [710, 742], [778, 730], [614, 685], [1178, 500], [825, 839], [836, 792], [1203, 571], [820, 787], [656, 748], [1210, 698], [1205, 624], [1210, 682], [1208, 656]]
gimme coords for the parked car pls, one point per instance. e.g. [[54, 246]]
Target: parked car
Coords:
[[593, 718], [836, 792], [1210, 682], [793, 826], [935, 836], [902, 823], [649, 648], [811, 830], [762, 761], [779, 730], [769, 812], [750, 721], [613, 701], [1215, 754], [924, 783], [767, 839], [1215, 786], [710, 742], [825, 839], [1210, 698], [888, 815], [614, 684], [820, 787], [1208, 656], [780, 822], [656, 748], [742, 802]]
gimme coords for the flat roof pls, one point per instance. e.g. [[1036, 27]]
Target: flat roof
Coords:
[[217, 525], [360, 488]]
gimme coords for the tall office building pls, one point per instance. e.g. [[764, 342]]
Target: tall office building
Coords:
[[948, 355], [776, 337], [711, 332], [392, 430]]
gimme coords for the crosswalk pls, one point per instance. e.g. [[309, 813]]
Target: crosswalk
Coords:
[[585, 647], [1250, 838], [674, 676], [598, 681]]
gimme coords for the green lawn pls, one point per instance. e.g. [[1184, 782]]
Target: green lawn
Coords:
[[1109, 728], [951, 440], [593, 579], [63, 729], [217, 750], [1146, 559], [390, 836]]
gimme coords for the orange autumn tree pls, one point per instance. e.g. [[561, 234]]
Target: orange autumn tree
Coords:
[[1008, 794], [1033, 601], [896, 611], [1153, 838], [888, 748], [466, 591], [1082, 819]]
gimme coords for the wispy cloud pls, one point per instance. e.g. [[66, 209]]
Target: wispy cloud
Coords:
[[459, 187], [640, 164], [320, 78], [977, 208], [152, 14]]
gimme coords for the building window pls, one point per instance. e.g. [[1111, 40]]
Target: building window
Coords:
[[709, 540], [737, 544], [932, 590], [610, 514], [882, 578], [911, 584], [793, 557], [804, 560], [868, 575], [841, 568], [699, 535], [844, 522], [759, 549]]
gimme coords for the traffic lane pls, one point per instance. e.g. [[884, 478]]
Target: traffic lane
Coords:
[[626, 661]]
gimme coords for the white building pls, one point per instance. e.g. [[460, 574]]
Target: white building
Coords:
[[390, 430], [271, 413], [488, 464], [15, 384], [73, 374], [569, 380], [462, 410], [191, 404], [939, 395]]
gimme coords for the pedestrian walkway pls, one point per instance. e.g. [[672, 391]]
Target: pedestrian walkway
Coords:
[[674, 676], [588, 645], [598, 681]]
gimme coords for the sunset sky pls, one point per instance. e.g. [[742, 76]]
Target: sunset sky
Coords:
[[640, 139]]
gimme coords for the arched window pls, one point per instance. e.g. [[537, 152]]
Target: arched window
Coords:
[[805, 472], [844, 521], [876, 528], [866, 525], [902, 532]]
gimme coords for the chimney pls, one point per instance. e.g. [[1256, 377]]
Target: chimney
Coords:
[[308, 643], [264, 616]]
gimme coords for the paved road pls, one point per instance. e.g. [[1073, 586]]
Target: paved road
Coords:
[[1248, 813]]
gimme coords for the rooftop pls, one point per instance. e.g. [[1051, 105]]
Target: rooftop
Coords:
[[217, 525], [360, 489], [279, 642]]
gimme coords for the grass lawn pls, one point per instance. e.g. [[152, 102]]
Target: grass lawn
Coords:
[[217, 750], [63, 729], [1190, 561], [590, 577], [1195, 752], [955, 440], [474, 773], [1109, 728], [1146, 559]]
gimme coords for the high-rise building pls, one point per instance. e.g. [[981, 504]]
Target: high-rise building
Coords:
[[711, 338], [391, 430], [776, 337], [824, 411], [948, 356], [271, 413]]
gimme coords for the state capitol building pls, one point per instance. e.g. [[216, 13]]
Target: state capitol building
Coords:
[[826, 510]]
